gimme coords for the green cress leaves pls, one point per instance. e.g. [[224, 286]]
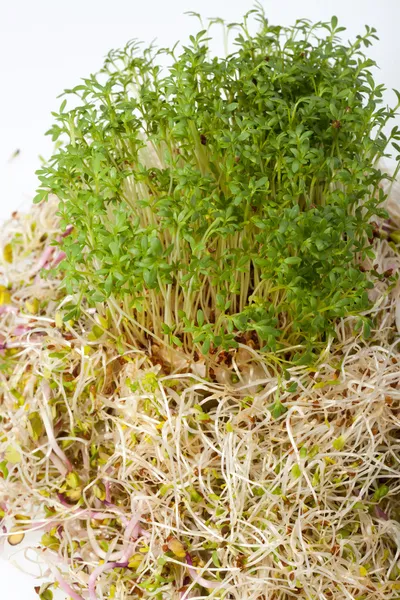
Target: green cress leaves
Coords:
[[225, 195]]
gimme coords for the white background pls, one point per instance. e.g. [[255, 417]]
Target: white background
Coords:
[[47, 45]]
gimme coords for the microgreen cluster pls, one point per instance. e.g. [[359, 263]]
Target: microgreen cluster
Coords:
[[145, 478], [210, 228], [224, 196]]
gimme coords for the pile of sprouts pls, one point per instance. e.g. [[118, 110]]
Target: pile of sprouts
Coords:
[[199, 361]]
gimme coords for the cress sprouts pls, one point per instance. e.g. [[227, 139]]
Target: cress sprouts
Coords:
[[224, 196], [220, 205]]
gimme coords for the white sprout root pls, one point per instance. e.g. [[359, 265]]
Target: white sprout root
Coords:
[[154, 481]]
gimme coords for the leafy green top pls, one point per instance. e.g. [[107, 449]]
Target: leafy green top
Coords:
[[224, 195]]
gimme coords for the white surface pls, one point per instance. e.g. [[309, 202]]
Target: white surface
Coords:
[[47, 45]]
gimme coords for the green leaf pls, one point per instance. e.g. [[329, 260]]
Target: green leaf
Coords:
[[156, 247], [295, 166], [293, 260], [380, 493], [363, 571], [8, 253], [206, 346], [292, 388], [73, 480], [339, 443], [164, 489], [165, 328], [334, 110], [61, 354], [215, 559], [326, 383], [96, 163], [266, 331], [42, 195], [114, 247], [175, 340], [366, 329], [4, 469], [50, 541], [96, 333], [277, 410], [12, 455], [296, 471], [36, 426], [70, 315], [261, 182]]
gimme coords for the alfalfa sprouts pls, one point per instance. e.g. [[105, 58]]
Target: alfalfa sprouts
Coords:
[[150, 475]]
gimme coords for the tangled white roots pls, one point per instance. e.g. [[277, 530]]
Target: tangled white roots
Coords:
[[156, 476]]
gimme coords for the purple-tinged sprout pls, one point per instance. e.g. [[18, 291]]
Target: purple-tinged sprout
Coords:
[[64, 586], [8, 345], [183, 591], [101, 516], [131, 530], [387, 226], [119, 512], [58, 258], [43, 260], [108, 491], [8, 309], [84, 512], [58, 463], [144, 532], [20, 330], [67, 232], [50, 430], [380, 514], [63, 500], [198, 578], [98, 571]]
